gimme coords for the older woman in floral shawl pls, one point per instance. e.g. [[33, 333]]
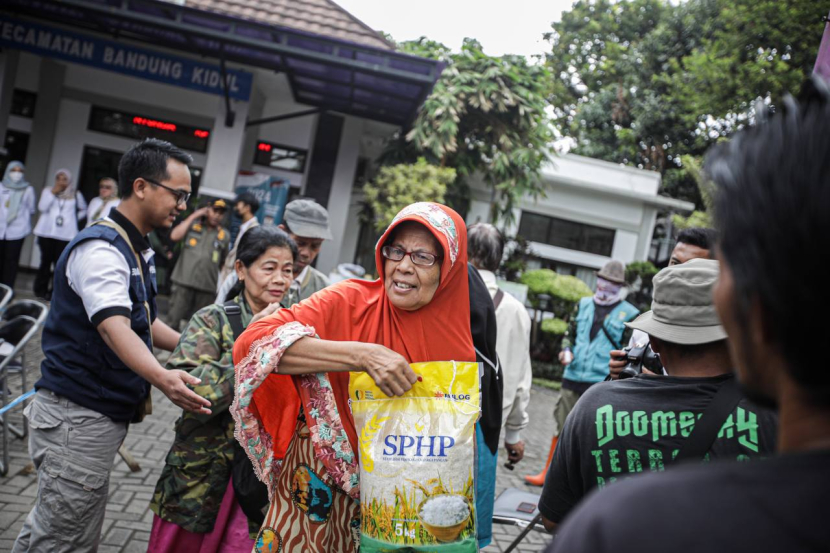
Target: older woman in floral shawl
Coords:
[[291, 406]]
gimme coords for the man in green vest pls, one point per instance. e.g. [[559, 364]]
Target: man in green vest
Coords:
[[197, 270], [596, 327]]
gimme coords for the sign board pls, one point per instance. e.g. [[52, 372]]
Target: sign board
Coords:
[[272, 193], [126, 59]]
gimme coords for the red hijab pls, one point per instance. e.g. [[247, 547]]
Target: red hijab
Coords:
[[359, 310]]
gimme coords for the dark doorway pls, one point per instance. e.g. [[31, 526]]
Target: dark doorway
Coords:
[[98, 163], [15, 147]]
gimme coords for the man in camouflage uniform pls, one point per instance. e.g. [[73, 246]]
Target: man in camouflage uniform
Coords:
[[197, 271], [198, 467]]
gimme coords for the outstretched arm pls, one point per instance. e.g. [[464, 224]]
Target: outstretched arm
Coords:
[[133, 352], [390, 371]]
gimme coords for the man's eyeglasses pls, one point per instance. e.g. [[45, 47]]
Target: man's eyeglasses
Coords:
[[423, 259], [182, 197]]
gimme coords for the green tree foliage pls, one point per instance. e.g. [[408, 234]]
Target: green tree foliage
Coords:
[[397, 186], [650, 82], [700, 217], [639, 276], [485, 115]]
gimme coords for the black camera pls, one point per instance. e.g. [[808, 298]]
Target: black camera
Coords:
[[638, 357]]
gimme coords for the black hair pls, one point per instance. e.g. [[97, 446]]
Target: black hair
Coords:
[[248, 198], [485, 246], [254, 243], [771, 208], [147, 159], [704, 238]]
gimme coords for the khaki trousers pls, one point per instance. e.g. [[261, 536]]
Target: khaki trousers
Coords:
[[73, 449]]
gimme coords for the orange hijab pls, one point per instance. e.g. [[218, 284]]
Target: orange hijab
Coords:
[[359, 310]]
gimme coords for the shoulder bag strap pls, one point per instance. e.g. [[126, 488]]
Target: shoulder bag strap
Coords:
[[146, 407], [707, 427], [610, 338], [234, 313], [123, 233], [498, 297]]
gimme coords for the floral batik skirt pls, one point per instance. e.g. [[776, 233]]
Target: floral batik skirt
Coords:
[[308, 513]]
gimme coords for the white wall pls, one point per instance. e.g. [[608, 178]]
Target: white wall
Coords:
[[297, 132], [71, 136], [152, 94]]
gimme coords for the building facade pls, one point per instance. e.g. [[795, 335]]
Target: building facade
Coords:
[[593, 211], [297, 89]]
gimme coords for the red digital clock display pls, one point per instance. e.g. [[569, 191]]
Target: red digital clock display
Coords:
[[154, 124]]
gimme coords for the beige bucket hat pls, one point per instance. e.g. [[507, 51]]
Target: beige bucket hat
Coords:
[[682, 311], [613, 271]]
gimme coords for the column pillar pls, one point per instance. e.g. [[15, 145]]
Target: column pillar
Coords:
[[225, 148], [255, 107], [8, 76], [340, 195], [41, 141]]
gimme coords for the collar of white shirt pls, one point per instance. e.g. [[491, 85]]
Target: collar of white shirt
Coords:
[[489, 278]]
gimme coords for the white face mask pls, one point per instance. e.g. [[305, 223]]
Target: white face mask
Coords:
[[15, 176]]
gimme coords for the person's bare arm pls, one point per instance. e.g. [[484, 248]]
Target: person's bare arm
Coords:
[[180, 230], [133, 352], [390, 371], [164, 337]]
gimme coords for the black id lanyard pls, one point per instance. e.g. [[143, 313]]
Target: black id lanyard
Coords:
[[59, 220]]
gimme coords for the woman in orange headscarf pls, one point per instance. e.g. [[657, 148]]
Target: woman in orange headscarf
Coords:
[[292, 371]]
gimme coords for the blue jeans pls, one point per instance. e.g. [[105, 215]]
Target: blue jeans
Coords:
[[485, 489]]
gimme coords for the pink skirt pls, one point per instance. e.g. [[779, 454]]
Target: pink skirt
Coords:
[[229, 534]]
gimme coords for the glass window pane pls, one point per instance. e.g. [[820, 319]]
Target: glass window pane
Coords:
[[567, 234], [138, 126], [534, 227], [23, 103], [280, 157]]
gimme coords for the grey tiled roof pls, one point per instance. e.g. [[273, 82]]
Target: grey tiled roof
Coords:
[[320, 17]]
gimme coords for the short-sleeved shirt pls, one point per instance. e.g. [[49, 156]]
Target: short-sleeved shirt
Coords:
[[624, 427], [770, 506], [100, 275], [202, 256]]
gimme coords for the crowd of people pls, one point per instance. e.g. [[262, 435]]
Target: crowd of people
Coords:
[[730, 415]]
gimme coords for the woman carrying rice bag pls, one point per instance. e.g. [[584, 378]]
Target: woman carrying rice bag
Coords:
[[292, 373]]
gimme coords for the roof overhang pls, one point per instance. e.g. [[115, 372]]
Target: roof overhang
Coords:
[[662, 202], [327, 73]]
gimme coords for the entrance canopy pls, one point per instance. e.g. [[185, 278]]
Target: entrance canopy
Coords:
[[330, 74]]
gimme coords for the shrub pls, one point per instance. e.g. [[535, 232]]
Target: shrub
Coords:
[[554, 327], [548, 371], [564, 291]]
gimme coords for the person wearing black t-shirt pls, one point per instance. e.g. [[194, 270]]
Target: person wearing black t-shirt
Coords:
[[621, 428], [772, 208]]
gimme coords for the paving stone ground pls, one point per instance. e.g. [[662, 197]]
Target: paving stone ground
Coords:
[[128, 520]]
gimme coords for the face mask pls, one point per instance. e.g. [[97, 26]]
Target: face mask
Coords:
[[15, 176]]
